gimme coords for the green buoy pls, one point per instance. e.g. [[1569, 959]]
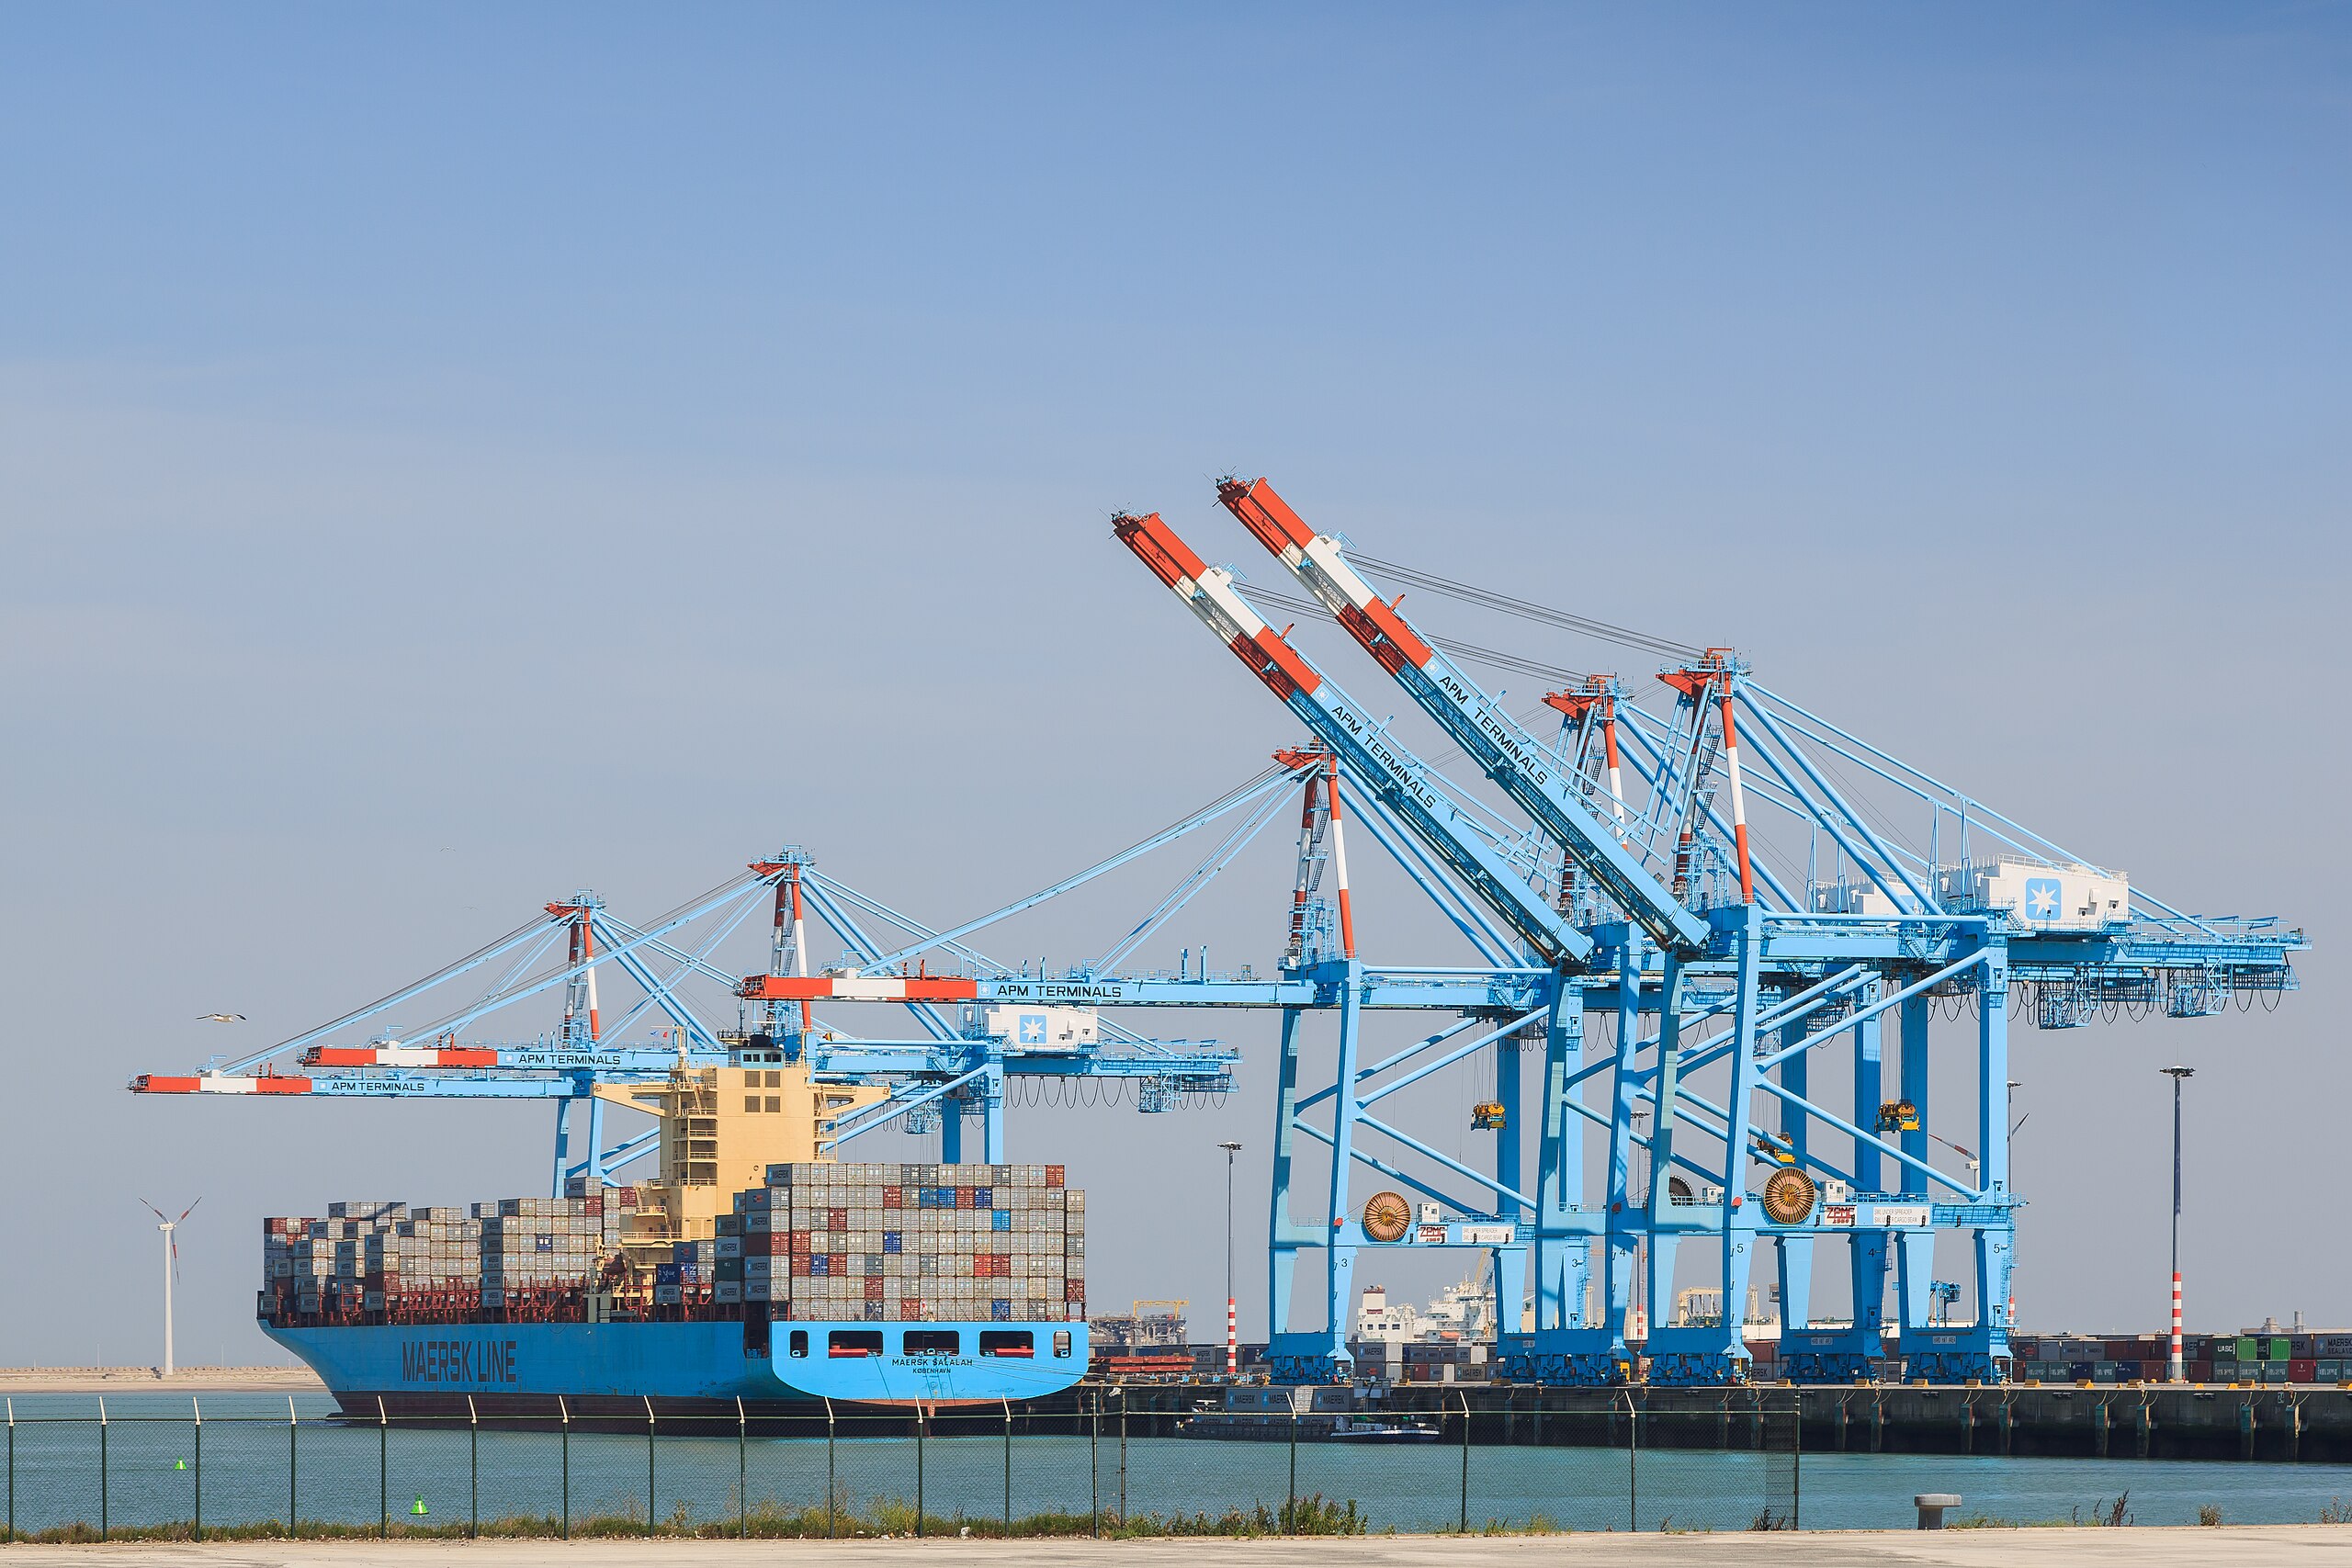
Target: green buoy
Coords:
[[420, 1510], [179, 1464]]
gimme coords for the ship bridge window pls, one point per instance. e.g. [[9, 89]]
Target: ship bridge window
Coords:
[[751, 1103], [801, 1342], [854, 1342], [1061, 1342], [936, 1342], [1007, 1342]]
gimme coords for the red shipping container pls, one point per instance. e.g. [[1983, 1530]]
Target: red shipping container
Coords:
[[800, 1265], [1074, 1290], [894, 1197], [966, 1197], [1053, 1175], [837, 1265], [874, 1289], [837, 1219], [2197, 1371], [2302, 1371]]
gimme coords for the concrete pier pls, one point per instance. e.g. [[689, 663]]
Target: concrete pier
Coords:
[[2283, 1423]]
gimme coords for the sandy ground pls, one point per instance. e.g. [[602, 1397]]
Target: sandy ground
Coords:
[[2304, 1546], [143, 1380]]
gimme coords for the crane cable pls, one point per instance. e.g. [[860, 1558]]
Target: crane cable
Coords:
[[1519, 664], [1487, 599]]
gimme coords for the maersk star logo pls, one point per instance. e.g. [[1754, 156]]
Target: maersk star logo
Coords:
[[2042, 898], [1033, 1025]]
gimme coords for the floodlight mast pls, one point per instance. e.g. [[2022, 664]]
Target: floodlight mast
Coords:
[[1232, 1336], [2177, 1075]]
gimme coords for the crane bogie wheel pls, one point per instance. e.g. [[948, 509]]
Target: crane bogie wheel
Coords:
[[1788, 1196], [1386, 1217]]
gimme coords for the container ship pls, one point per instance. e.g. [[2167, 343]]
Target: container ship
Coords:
[[900, 1284]]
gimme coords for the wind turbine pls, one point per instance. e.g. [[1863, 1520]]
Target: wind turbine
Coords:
[[171, 1268]]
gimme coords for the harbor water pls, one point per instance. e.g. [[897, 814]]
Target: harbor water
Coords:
[[251, 1461]]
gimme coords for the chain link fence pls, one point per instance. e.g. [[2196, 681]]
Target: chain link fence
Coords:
[[1572, 1459]]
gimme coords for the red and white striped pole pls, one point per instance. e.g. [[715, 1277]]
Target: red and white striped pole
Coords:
[[571, 961], [2176, 1075], [1738, 802], [800, 948], [588, 950], [2177, 1367], [1609, 754], [1340, 860], [1232, 1330], [1309, 807]]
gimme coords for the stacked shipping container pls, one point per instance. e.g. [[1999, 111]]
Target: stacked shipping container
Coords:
[[526, 1256], [906, 1242], [2323, 1357], [817, 1242]]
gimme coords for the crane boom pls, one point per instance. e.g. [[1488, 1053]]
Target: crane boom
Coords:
[[1513, 757], [1392, 773]]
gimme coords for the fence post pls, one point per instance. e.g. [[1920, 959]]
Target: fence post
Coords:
[[1633, 1465], [649, 1463], [1095, 1466], [293, 1470], [742, 1472], [1466, 1461], [384, 1467], [1796, 1458], [12, 1469], [102, 1467], [564, 1408], [829, 1469], [1122, 1457], [197, 1528], [1008, 1469], [473, 1470], [919, 1426], [1289, 1503]]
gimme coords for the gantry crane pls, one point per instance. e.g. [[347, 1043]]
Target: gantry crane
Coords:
[[1680, 923], [1664, 964]]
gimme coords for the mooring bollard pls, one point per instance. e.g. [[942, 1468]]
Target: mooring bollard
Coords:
[[1931, 1506]]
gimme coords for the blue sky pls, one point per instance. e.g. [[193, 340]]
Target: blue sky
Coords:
[[601, 442]]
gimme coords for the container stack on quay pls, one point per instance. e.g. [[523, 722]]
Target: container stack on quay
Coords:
[[2317, 1356], [908, 1243], [817, 1242]]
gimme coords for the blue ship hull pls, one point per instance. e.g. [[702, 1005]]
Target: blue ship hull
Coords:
[[592, 1370]]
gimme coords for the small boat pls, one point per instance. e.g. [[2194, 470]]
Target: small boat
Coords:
[[1307, 1426], [1382, 1432]]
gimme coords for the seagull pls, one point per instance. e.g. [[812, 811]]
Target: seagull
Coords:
[[221, 1017]]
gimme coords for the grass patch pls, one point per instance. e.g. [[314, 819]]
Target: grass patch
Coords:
[[876, 1518]]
